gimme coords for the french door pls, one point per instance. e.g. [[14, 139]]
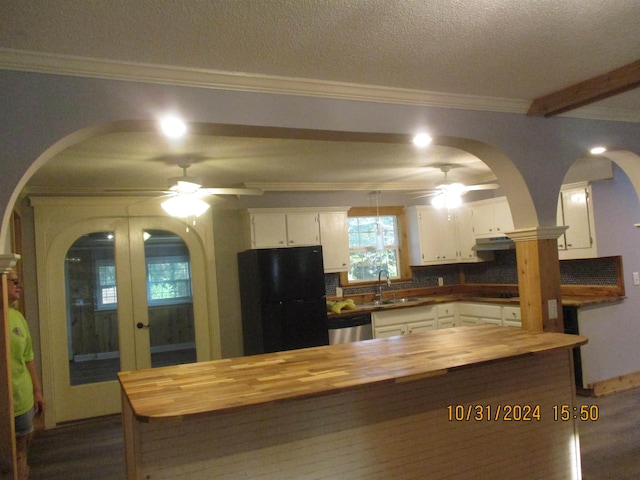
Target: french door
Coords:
[[118, 294]]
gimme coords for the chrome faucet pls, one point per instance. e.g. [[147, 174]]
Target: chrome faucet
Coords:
[[380, 283]]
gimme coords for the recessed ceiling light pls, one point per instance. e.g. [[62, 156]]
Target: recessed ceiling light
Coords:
[[597, 150], [422, 140], [173, 127]]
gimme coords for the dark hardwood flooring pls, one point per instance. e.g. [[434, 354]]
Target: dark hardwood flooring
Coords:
[[91, 449], [610, 446]]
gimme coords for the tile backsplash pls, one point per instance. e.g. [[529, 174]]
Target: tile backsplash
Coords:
[[502, 270]]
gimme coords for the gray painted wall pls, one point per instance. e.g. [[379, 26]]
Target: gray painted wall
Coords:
[[42, 113]]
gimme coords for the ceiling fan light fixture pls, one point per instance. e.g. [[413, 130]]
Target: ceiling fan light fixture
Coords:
[[447, 200], [183, 206], [457, 189], [185, 186]]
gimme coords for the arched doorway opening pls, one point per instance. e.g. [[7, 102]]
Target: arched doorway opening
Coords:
[[507, 174]]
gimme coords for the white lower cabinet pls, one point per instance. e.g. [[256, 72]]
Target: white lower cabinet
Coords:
[[472, 313], [405, 321], [511, 317], [447, 315]]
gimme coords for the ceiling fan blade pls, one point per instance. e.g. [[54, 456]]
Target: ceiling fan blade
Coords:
[[484, 186], [423, 194], [233, 191]]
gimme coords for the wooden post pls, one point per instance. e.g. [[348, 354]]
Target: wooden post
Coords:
[[539, 278], [7, 428]]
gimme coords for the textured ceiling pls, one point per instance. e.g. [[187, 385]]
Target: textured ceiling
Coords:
[[489, 49], [493, 48]]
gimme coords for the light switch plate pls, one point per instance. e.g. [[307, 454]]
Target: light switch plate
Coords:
[[552, 307], [636, 278]]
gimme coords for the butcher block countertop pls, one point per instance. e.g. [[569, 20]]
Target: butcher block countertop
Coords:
[[567, 301], [220, 386]]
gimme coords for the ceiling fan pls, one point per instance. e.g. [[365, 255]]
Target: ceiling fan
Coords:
[[186, 192], [449, 194]]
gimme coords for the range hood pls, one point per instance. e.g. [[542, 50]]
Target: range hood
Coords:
[[493, 243]]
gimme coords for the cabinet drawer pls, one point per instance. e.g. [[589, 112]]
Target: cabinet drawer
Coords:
[[389, 331], [403, 315], [512, 313], [512, 317], [419, 327], [481, 310], [446, 310]]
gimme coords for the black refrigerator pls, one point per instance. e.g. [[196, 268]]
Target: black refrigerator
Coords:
[[283, 298]]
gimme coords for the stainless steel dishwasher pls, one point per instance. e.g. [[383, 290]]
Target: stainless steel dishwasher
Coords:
[[350, 328]]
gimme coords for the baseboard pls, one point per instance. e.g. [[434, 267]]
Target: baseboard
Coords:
[[612, 385]]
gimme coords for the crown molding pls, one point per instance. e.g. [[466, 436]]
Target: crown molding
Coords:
[[29, 61]]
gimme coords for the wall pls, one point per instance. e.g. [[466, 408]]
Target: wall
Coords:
[[43, 113], [614, 330]]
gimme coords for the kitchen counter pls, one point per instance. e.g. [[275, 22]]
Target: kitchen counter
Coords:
[[567, 301], [268, 409]]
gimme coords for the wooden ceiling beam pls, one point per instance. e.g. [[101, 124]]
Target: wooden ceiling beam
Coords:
[[589, 91]]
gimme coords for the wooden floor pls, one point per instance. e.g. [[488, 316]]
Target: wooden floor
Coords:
[[94, 449]]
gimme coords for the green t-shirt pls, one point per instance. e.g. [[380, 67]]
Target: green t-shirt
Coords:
[[21, 353]]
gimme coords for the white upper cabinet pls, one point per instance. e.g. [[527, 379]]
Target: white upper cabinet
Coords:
[[432, 236], [298, 227], [492, 217], [438, 236], [334, 239], [268, 230], [303, 229], [466, 239], [575, 210], [278, 230]]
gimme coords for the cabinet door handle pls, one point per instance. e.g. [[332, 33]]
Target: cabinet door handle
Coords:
[[141, 325]]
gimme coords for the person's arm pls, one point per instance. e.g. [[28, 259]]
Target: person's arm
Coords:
[[37, 389]]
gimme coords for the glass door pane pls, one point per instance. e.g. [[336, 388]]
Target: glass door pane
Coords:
[[169, 299], [92, 315]]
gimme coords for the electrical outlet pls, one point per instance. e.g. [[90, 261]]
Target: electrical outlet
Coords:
[[440, 281], [338, 291], [636, 278]]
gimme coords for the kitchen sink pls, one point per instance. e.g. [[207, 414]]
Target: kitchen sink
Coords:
[[411, 299], [396, 301]]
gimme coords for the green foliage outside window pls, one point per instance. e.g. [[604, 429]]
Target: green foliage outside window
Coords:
[[366, 260], [168, 280]]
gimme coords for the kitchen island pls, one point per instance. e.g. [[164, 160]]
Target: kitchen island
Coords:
[[477, 402]]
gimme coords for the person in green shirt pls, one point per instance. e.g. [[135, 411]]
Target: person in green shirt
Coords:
[[28, 401]]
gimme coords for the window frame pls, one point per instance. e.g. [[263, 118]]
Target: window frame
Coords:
[[404, 269], [101, 306], [169, 301]]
